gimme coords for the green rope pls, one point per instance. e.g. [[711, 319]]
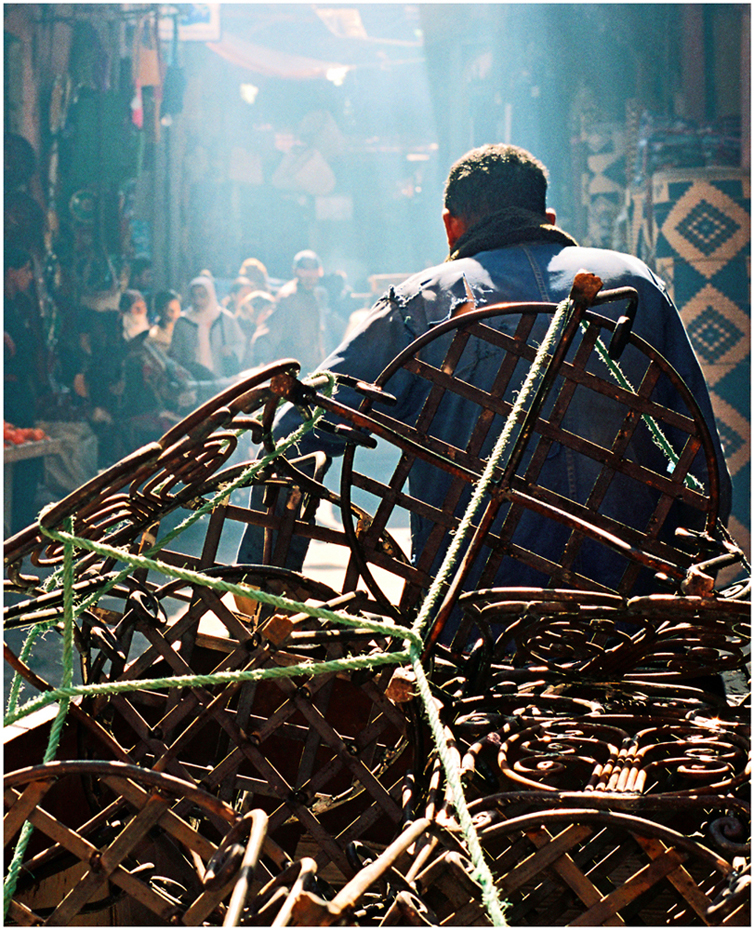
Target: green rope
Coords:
[[36, 631], [184, 574], [658, 437], [56, 731], [143, 561], [14, 869], [387, 628], [67, 656], [503, 447], [349, 663], [482, 871]]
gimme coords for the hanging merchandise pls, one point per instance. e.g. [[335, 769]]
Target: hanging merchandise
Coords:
[[174, 85], [148, 71], [83, 207], [173, 90], [95, 273], [60, 97], [50, 279], [99, 144], [89, 61], [97, 280]]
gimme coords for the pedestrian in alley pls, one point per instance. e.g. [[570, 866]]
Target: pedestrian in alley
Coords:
[[298, 324], [207, 339]]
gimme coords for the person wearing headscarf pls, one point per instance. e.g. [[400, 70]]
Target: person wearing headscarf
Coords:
[[207, 340], [256, 272]]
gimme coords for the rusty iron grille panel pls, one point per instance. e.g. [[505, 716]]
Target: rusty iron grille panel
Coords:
[[605, 769], [439, 438]]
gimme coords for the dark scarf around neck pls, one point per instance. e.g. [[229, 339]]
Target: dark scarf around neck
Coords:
[[507, 227]]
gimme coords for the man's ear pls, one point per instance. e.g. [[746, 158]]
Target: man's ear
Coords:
[[551, 216], [454, 227]]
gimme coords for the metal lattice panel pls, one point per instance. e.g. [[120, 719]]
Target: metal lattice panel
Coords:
[[606, 776]]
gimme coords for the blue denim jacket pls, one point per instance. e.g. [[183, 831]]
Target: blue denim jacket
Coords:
[[520, 273]]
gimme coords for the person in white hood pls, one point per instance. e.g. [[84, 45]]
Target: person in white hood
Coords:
[[206, 337]]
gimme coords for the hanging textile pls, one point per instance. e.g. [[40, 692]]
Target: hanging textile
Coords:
[[148, 70]]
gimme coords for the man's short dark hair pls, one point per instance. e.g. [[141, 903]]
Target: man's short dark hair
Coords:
[[492, 177], [162, 299]]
